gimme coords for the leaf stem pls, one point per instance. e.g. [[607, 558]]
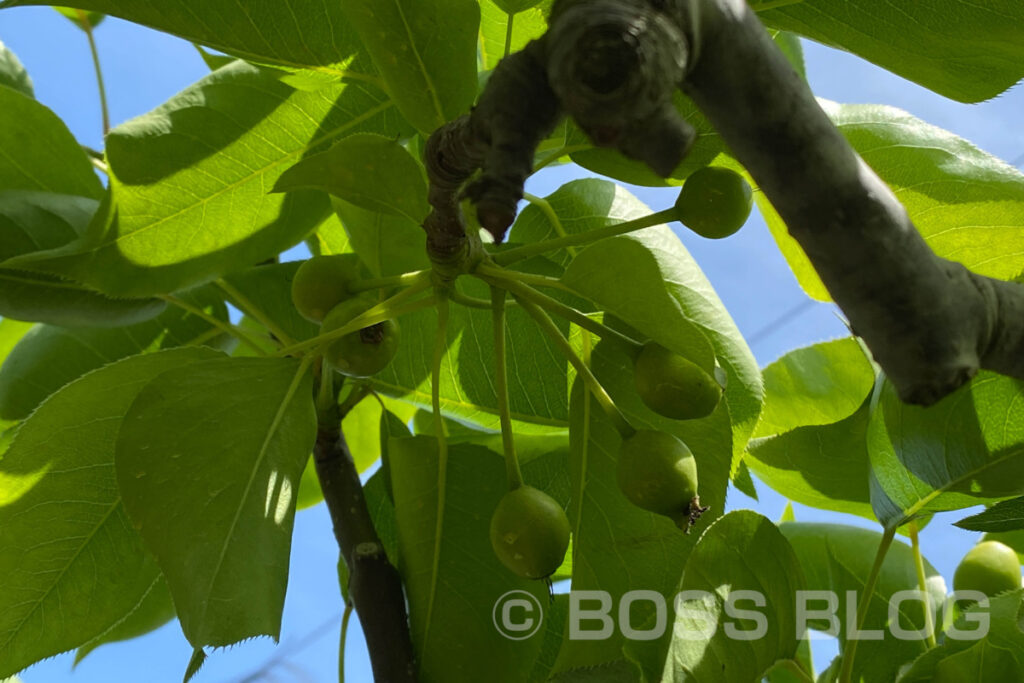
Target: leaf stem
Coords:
[[508, 33], [87, 27], [388, 308], [341, 641], [507, 280], [226, 327], [549, 212], [403, 280], [440, 347], [922, 583], [254, 311], [515, 475], [604, 400], [850, 650], [504, 258]]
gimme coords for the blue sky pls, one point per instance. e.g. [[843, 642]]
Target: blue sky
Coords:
[[143, 68]]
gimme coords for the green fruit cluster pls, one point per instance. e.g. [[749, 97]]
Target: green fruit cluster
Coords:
[[714, 202], [529, 533], [322, 292], [364, 352], [321, 283]]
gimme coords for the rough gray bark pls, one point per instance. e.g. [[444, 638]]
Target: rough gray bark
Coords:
[[613, 64]]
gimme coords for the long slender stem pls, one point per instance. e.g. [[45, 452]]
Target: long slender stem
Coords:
[[342, 639], [389, 308], [603, 399], [508, 33], [549, 212], [440, 347], [221, 325], [507, 280], [504, 258], [922, 584], [515, 475], [850, 649], [254, 311], [403, 280], [87, 27]]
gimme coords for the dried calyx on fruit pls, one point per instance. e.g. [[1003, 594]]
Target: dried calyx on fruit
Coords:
[[362, 352], [657, 472]]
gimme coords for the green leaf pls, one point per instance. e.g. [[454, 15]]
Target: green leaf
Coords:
[[48, 357], [426, 52], [790, 45], [1005, 516], [387, 244], [330, 238], [36, 221], [71, 566], [13, 74], [291, 33], [538, 385], [530, 22], [618, 547], [11, 332], [370, 171], [966, 204], [39, 152], [965, 449], [154, 609], [270, 287], [190, 181], [965, 50], [81, 19], [208, 462], [613, 164], [454, 580], [516, 6], [742, 551], [838, 559], [993, 658], [823, 466], [667, 297], [37, 297], [816, 385]]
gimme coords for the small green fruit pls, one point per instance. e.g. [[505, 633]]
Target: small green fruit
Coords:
[[673, 386], [990, 568], [657, 472], [529, 533], [714, 202], [364, 352], [321, 283]]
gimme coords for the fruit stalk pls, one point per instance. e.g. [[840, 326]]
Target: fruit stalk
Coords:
[[849, 651], [600, 395], [515, 475], [922, 583]]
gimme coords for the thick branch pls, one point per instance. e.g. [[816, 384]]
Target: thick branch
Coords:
[[374, 584], [930, 323], [614, 64]]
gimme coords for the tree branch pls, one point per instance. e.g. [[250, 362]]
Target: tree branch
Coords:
[[374, 584], [614, 65], [930, 323]]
